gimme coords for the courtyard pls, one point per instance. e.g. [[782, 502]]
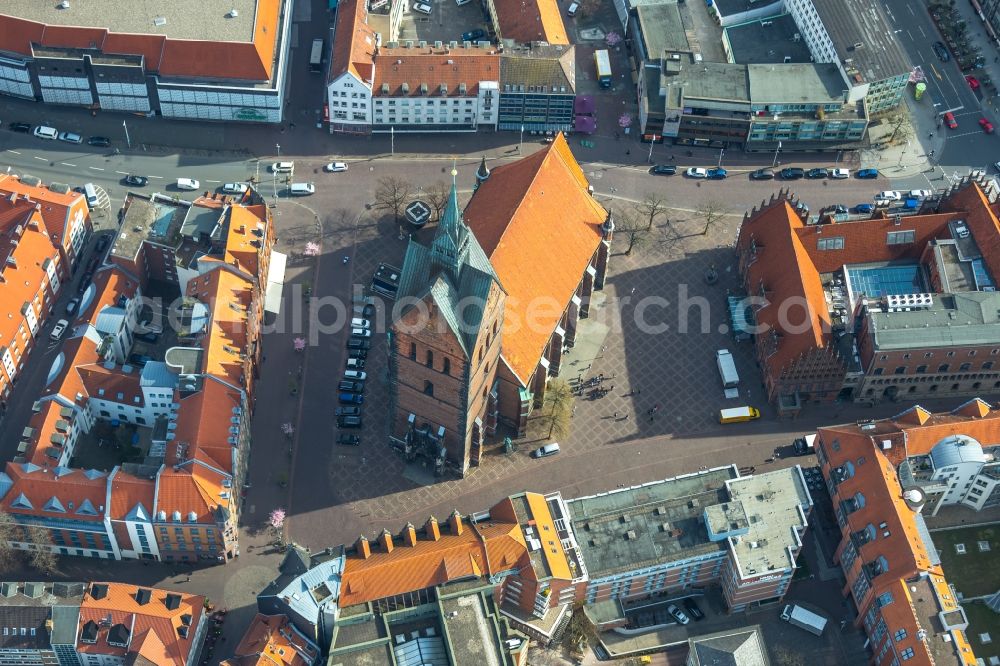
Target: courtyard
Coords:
[[970, 569]]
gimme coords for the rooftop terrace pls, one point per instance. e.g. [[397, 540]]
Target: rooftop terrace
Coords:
[[153, 219]]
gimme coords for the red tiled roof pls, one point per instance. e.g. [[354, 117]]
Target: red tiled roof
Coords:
[[434, 67], [540, 228], [527, 21], [271, 640], [127, 491], [71, 487], [109, 284], [353, 42], [982, 221], [59, 211]]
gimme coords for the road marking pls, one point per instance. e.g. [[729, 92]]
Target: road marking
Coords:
[[68, 164], [213, 181], [921, 29], [124, 173], [936, 73], [40, 158], [96, 168], [15, 152], [160, 177]]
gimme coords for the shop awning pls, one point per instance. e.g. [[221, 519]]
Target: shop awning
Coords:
[[275, 282], [741, 317]]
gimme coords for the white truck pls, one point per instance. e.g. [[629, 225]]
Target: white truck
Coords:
[[727, 368], [804, 619]]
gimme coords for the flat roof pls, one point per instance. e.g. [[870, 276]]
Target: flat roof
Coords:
[[953, 320], [154, 218], [657, 522], [707, 81], [730, 7], [181, 19], [926, 598], [796, 84], [662, 29], [853, 22], [775, 504], [768, 40], [473, 634]]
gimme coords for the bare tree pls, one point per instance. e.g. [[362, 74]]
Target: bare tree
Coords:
[[784, 656], [41, 558], [712, 212], [901, 127], [629, 225], [651, 207], [580, 629], [8, 532], [559, 407], [392, 194], [437, 197]]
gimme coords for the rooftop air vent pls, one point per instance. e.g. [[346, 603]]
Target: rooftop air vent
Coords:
[[160, 21], [233, 13], [64, 4]]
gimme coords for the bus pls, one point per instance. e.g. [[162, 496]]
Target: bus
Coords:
[[603, 63], [316, 57]]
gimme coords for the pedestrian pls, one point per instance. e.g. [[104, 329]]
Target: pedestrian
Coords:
[[637, 391], [628, 152], [612, 388], [633, 291], [616, 416], [626, 417]]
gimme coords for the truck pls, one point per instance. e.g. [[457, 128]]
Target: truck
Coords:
[[805, 446], [316, 56], [603, 64], [798, 616], [738, 414], [727, 368]]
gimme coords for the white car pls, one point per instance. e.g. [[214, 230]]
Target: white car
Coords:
[[360, 322], [696, 172], [46, 132], [235, 188], [70, 137], [422, 7], [283, 167], [187, 184], [357, 375], [888, 195], [919, 194], [361, 333], [60, 328], [840, 174], [335, 167]]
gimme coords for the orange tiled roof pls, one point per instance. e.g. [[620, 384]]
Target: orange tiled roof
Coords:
[[527, 21], [499, 546], [253, 60], [80, 493], [229, 297], [58, 210], [109, 284], [242, 244], [271, 640], [153, 626], [434, 67], [540, 229], [127, 491], [353, 42]]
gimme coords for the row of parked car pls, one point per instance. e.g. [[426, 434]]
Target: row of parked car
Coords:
[[351, 388], [788, 173], [52, 134]]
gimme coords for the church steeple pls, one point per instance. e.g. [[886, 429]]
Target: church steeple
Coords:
[[482, 173], [450, 248]]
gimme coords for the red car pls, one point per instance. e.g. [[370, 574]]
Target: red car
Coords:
[[949, 120], [973, 82], [986, 125]]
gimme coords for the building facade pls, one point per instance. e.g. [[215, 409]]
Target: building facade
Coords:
[[537, 89]]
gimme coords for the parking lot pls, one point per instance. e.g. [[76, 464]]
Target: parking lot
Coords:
[[446, 22]]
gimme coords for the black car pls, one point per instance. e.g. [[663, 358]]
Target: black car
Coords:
[[20, 127], [835, 209], [816, 173], [348, 411], [663, 170], [762, 174], [151, 338], [359, 343], [353, 387], [692, 608], [473, 35], [348, 421], [349, 440], [942, 51], [136, 181], [99, 141], [792, 173], [357, 353]]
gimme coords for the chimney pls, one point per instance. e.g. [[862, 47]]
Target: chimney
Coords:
[[362, 547], [386, 540], [432, 529], [455, 523], [410, 535]]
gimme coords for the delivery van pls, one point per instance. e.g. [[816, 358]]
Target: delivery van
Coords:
[[90, 192], [545, 451], [738, 414]]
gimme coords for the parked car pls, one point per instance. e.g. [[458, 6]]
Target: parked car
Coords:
[[136, 181], [840, 174], [358, 352], [356, 375], [350, 386], [361, 333], [473, 35], [45, 132], [24, 128], [920, 194], [360, 322], [70, 137], [972, 81], [678, 614], [864, 208], [817, 173], [348, 411], [349, 440], [348, 421], [866, 174], [151, 338], [139, 359], [717, 174], [422, 7], [99, 141], [72, 305], [283, 167], [942, 51], [350, 398], [888, 197], [663, 170], [235, 188], [696, 172], [545, 451], [335, 167], [187, 184], [835, 209], [986, 125], [356, 363], [792, 173], [949, 120], [60, 328], [762, 174], [691, 606]]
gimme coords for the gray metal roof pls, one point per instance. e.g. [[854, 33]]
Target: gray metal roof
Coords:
[[967, 318], [707, 80], [767, 41], [662, 29], [742, 647], [796, 84], [157, 373], [110, 319], [957, 449], [851, 22]]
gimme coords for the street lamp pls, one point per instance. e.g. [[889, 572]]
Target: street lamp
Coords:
[[649, 158], [274, 173], [520, 140], [775, 160], [128, 141], [721, 153]]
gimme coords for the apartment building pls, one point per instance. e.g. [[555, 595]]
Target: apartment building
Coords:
[[230, 65], [352, 70], [882, 476], [859, 40], [271, 640], [879, 294], [537, 88]]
